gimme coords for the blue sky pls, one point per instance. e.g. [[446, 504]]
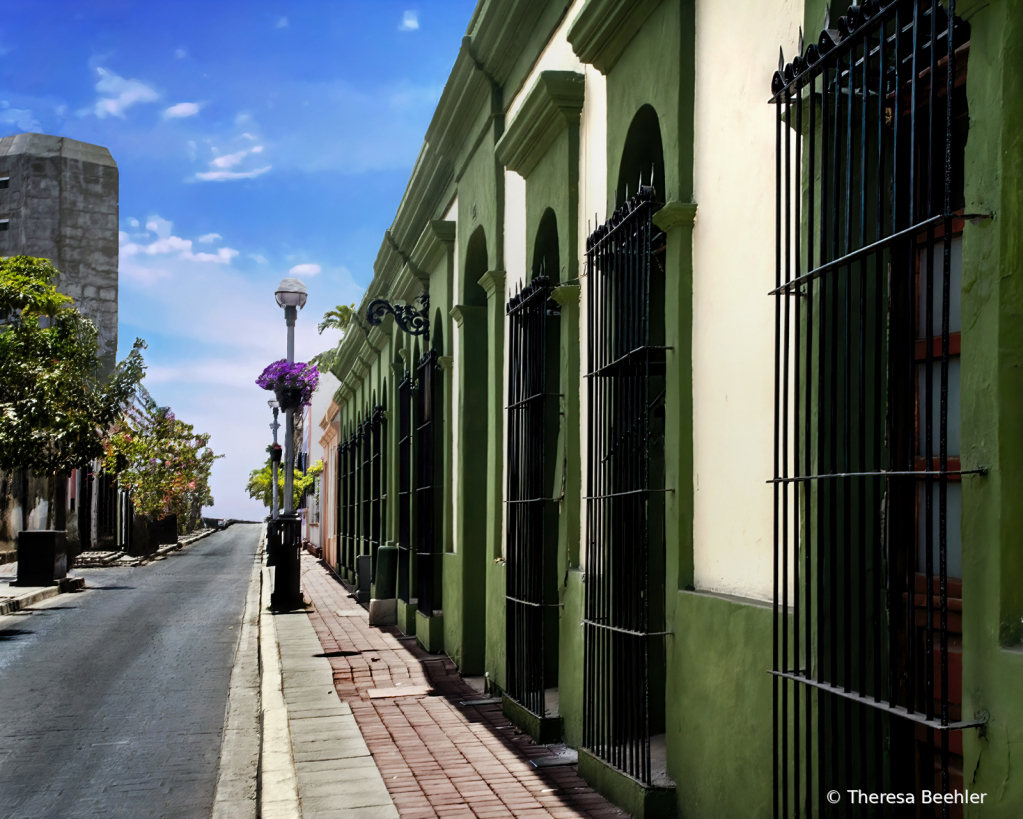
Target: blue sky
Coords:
[[252, 139]]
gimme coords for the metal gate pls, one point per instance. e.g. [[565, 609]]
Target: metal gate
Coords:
[[623, 621], [867, 686], [533, 412]]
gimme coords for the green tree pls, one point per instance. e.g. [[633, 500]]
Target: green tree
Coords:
[[163, 463], [340, 318], [260, 485], [54, 405]]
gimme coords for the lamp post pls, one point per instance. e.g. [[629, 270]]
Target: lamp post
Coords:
[[272, 403], [291, 295]]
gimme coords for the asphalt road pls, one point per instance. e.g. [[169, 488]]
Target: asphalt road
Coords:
[[112, 699]]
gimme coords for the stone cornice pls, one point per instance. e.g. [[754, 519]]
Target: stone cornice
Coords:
[[604, 28], [378, 336], [493, 282], [501, 30], [437, 238], [329, 413], [461, 312], [553, 103], [566, 295], [675, 214]]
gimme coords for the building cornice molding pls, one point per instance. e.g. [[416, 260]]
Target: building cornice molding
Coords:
[[436, 240], [493, 282], [329, 413], [566, 295], [461, 312], [675, 214], [552, 104], [604, 28]]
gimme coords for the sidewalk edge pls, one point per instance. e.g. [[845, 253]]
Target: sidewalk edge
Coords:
[[236, 795]]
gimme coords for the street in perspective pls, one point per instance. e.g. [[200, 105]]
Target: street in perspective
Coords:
[[544, 409]]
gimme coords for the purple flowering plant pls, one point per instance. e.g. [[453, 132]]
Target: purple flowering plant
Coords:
[[297, 374]]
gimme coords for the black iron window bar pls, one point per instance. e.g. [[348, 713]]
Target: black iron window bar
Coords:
[[623, 360], [428, 394], [340, 497], [366, 489], [352, 516], [868, 202], [531, 510], [378, 483], [404, 485]]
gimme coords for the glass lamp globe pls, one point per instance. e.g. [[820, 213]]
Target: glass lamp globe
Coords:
[[291, 293]]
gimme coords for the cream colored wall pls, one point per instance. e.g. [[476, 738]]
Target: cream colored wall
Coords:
[[559, 56], [733, 317]]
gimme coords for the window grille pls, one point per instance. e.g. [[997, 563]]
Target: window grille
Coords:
[[427, 554], [404, 484], [623, 621], [352, 514], [340, 488], [867, 683], [377, 498], [531, 596], [366, 489]]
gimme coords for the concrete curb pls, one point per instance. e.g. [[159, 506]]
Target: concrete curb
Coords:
[[237, 782], [278, 791], [37, 595]]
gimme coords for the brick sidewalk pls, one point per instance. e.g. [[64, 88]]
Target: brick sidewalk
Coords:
[[438, 759]]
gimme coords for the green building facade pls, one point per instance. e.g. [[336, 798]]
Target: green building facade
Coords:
[[553, 451]]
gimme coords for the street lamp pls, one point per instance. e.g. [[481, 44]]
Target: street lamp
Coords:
[[274, 457], [291, 294]]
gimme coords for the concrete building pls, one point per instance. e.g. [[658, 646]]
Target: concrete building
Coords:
[[696, 462], [59, 201]]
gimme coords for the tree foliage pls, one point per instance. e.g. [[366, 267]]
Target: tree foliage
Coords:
[[340, 318], [162, 462], [260, 485], [54, 406]]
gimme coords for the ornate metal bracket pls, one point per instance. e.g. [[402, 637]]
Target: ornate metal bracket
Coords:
[[415, 322]]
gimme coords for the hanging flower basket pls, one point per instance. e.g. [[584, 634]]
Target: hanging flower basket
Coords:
[[293, 383]]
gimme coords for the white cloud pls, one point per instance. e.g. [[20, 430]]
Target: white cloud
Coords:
[[248, 136], [119, 94], [167, 243], [259, 258], [180, 53], [223, 176], [305, 270], [229, 160], [282, 23], [210, 237], [182, 109], [22, 117], [410, 22], [133, 222]]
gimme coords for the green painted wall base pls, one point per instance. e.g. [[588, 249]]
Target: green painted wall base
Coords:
[[631, 795], [543, 730], [430, 632], [407, 618]]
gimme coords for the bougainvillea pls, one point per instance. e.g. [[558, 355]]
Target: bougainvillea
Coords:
[[296, 374]]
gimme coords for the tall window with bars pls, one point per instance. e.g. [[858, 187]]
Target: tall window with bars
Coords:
[[624, 602], [404, 485], [378, 483], [871, 129], [428, 394], [532, 512]]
